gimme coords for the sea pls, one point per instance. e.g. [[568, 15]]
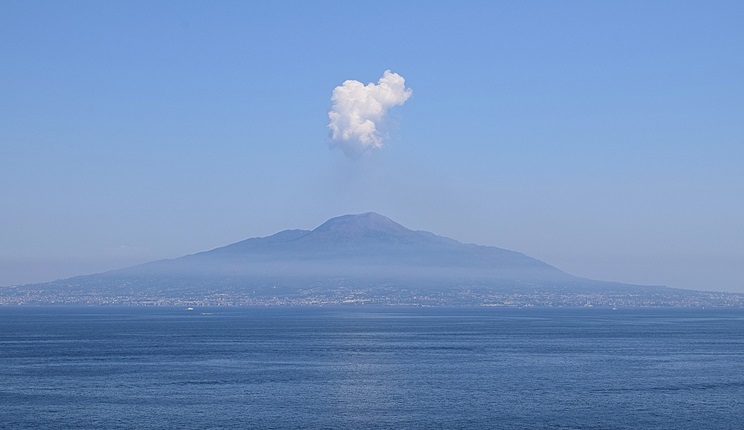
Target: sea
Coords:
[[359, 367]]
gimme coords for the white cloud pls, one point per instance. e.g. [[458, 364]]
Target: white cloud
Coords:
[[358, 111]]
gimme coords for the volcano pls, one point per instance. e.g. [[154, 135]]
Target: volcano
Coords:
[[366, 254]]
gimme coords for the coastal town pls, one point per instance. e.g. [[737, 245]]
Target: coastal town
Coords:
[[372, 296]]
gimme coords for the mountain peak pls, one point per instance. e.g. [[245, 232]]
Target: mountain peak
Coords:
[[361, 225]]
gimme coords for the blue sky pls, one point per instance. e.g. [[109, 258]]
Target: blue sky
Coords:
[[605, 138]]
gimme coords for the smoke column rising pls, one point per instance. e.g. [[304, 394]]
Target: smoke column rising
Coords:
[[358, 111]]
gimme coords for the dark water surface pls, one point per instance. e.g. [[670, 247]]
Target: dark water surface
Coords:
[[349, 368]]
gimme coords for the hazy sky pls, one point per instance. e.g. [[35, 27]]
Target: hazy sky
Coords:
[[605, 138]]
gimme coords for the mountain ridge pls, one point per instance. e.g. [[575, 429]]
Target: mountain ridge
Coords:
[[374, 240]]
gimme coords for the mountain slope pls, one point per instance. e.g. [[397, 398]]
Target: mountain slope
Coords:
[[367, 246]]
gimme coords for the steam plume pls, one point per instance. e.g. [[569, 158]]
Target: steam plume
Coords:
[[358, 110]]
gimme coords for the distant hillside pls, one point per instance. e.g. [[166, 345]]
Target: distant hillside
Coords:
[[364, 258]]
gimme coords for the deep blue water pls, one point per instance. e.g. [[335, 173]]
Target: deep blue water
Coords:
[[348, 368]]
